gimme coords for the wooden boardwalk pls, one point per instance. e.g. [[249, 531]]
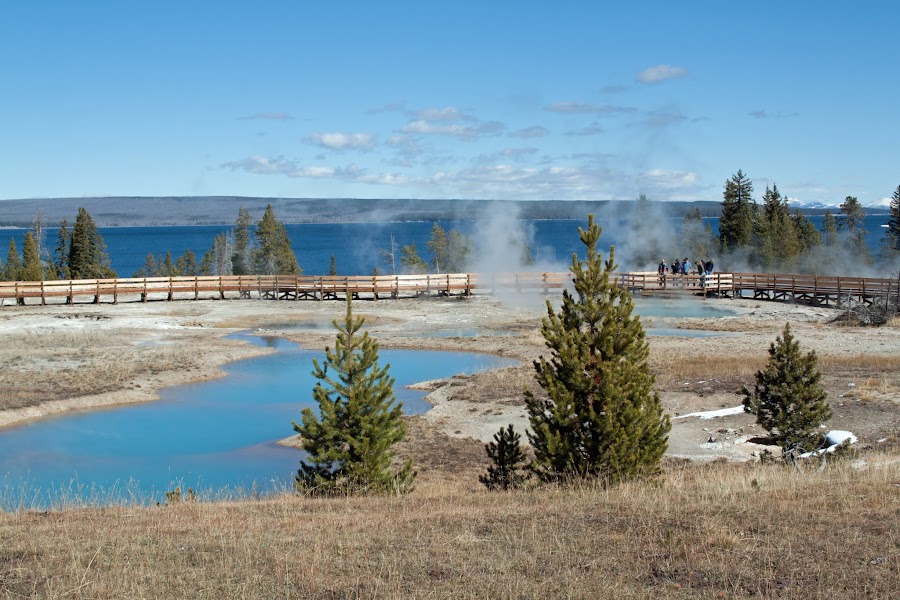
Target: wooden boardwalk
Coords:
[[785, 287]]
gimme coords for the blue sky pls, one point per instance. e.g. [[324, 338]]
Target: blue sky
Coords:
[[505, 100]]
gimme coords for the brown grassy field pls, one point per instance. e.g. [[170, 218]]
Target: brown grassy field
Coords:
[[713, 531]]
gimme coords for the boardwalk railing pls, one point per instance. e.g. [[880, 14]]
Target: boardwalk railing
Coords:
[[804, 288]]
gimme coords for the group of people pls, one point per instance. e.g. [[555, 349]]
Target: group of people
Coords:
[[685, 267]]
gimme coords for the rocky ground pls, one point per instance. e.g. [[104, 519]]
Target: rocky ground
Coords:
[[58, 358]]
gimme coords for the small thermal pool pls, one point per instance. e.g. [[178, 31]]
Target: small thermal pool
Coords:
[[682, 308]]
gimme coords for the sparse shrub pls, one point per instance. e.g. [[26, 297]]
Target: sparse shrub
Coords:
[[788, 399], [508, 459]]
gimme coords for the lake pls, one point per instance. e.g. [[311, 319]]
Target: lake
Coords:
[[356, 246], [218, 436]]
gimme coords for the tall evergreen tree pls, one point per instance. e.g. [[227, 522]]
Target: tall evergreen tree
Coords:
[[893, 228], [807, 233], [166, 266], [852, 223], [449, 251], [32, 270], [736, 222], [149, 268], [61, 251], [788, 399], [274, 255], [13, 263], [350, 443], [37, 226], [217, 260], [776, 242], [507, 461], [829, 229], [186, 265], [410, 261], [242, 257], [601, 417], [87, 250]]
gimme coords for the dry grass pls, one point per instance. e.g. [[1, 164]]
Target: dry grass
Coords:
[[672, 369], [714, 531], [40, 367]]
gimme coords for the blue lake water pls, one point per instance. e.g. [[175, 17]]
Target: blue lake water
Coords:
[[356, 246], [210, 436]]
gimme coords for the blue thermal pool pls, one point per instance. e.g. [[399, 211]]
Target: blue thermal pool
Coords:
[[214, 436]]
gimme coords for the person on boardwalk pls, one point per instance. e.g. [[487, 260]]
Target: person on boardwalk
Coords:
[[661, 270]]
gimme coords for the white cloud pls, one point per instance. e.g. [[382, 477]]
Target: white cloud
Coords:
[[343, 141], [764, 114], [260, 165], [508, 181], [589, 129], [272, 116], [670, 179], [530, 132], [457, 130], [447, 113], [581, 108], [660, 73]]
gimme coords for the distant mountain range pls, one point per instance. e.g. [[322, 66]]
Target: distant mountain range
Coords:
[[147, 211]]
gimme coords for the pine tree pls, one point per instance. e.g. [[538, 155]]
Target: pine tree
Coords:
[[87, 250], [807, 233], [449, 251], [852, 222], [274, 256], [829, 229], [601, 417], [788, 399], [242, 257], [186, 265], [736, 222], [31, 262], [411, 262], [61, 251], [37, 226], [13, 263], [893, 228], [149, 268], [217, 260], [776, 241], [507, 461], [350, 442], [166, 266]]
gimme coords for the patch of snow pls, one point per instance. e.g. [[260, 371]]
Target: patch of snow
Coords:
[[833, 439], [836, 437], [712, 414]]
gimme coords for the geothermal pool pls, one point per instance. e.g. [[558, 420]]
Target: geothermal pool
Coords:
[[217, 436]]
